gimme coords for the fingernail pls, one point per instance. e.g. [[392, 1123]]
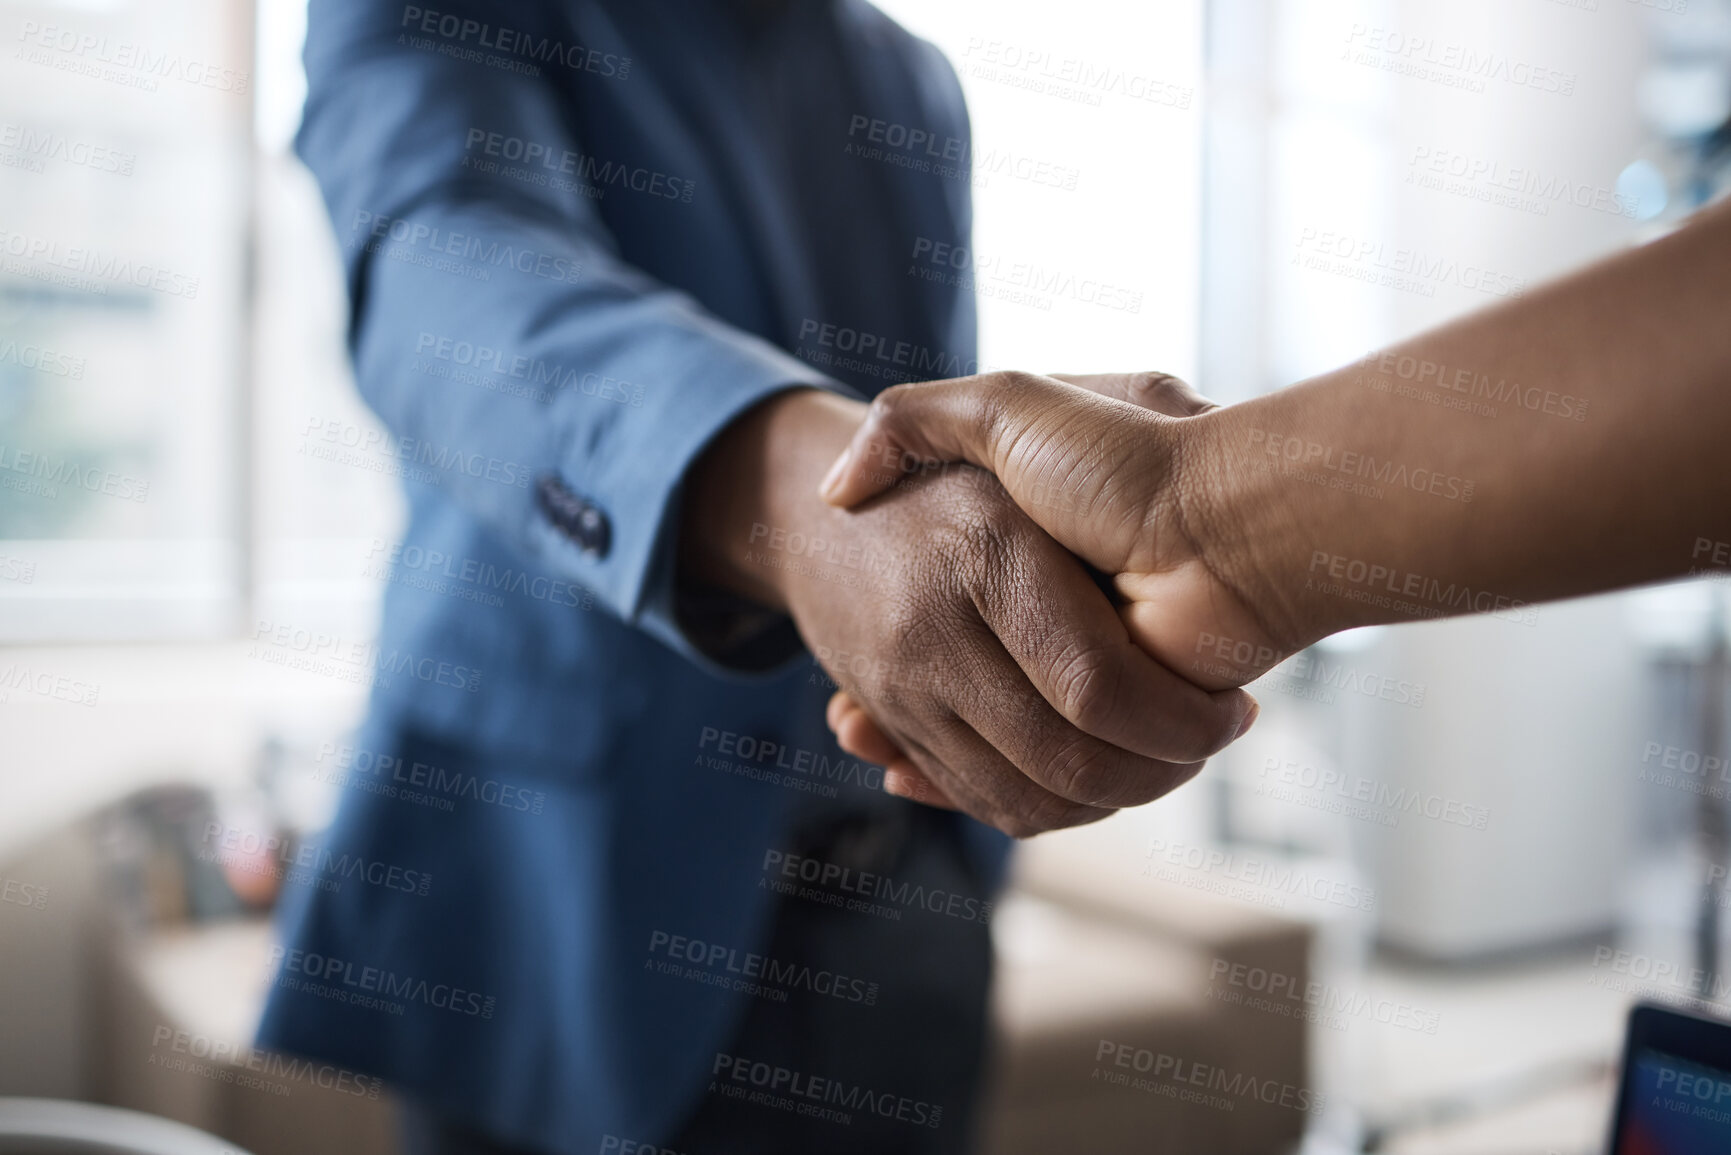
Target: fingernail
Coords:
[[832, 479], [1249, 719], [895, 783]]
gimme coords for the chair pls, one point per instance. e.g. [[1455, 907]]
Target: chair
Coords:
[[62, 1127]]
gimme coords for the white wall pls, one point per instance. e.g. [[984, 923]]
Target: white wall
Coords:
[[1538, 724], [1127, 123]]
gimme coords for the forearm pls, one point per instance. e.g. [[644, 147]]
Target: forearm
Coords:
[[562, 406], [1556, 445]]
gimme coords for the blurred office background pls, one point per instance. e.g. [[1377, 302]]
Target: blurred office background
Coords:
[[1507, 828]]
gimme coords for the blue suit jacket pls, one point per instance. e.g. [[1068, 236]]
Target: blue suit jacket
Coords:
[[570, 265]]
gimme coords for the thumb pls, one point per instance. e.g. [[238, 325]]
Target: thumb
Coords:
[[1086, 468], [909, 426]]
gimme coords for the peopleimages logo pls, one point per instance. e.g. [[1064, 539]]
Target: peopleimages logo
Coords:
[[306, 863], [1316, 677], [421, 782], [20, 893], [1372, 583], [866, 349], [921, 150], [17, 569], [1653, 976], [1330, 789], [750, 756], [751, 973], [345, 443], [1172, 1073], [41, 359], [470, 247], [105, 59], [1509, 186], [1021, 282], [542, 162], [39, 146], [616, 1145], [1068, 77], [45, 476], [461, 31], [1298, 451], [772, 545], [802, 1093], [1434, 377], [1260, 989], [1702, 1088], [472, 578], [1718, 557], [25, 679], [1451, 65], [1261, 881], [364, 662], [1397, 266], [828, 877], [909, 138], [536, 371], [374, 987], [229, 1063], [89, 269]]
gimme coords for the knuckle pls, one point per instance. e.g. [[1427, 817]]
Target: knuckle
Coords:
[[1017, 380], [1011, 388], [1083, 684], [1194, 738], [883, 443], [994, 522], [1050, 812], [885, 407], [1161, 393], [984, 546], [1080, 770], [911, 624], [1152, 385], [1021, 807], [901, 614]]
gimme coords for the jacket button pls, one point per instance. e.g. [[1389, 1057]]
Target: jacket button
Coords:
[[577, 519]]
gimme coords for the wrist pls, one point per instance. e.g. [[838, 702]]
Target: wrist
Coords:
[[755, 486], [1239, 521]]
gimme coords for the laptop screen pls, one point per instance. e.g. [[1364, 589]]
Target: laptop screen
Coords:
[[1675, 1107]]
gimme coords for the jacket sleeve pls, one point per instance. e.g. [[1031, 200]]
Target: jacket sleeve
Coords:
[[560, 400]]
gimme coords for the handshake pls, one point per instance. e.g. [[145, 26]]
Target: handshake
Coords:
[[1100, 679], [1008, 577], [1040, 595]]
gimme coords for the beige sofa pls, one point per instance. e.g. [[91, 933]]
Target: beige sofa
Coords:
[[1108, 1039], [1111, 1039]]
